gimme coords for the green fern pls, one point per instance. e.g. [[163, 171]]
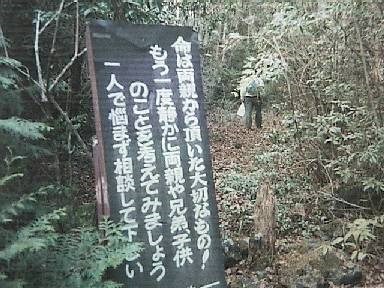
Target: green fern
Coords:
[[11, 210], [4, 180], [10, 92], [10, 62], [34, 253], [97, 252], [36, 236], [12, 284], [8, 82], [8, 72], [80, 258], [23, 128]]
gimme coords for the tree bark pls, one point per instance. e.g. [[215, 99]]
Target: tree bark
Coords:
[[262, 244]]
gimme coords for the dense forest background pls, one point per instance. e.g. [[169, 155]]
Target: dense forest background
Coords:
[[322, 62]]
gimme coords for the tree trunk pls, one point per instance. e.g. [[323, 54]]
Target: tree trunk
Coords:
[[262, 245]]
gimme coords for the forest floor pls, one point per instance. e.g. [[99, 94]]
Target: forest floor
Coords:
[[236, 172]]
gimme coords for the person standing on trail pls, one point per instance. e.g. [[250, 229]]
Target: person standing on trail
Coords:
[[252, 99]]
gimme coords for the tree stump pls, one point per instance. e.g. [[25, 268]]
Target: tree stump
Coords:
[[262, 242]]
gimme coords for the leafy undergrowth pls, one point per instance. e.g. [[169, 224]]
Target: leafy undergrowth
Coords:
[[307, 215]]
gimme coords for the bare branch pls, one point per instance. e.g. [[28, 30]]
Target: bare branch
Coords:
[[77, 29], [65, 69], [37, 59], [55, 35], [52, 51], [366, 74], [276, 46], [2, 41], [61, 111], [58, 12], [73, 129], [342, 201], [36, 100]]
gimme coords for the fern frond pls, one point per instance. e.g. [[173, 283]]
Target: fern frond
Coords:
[[85, 254], [23, 128], [12, 284], [10, 159], [11, 210], [43, 224], [10, 62], [4, 180], [38, 235], [7, 82], [8, 72]]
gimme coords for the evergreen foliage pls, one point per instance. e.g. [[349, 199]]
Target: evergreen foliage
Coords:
[[8, 73], [17, 127], [37, 255], [322, 67], [35, 248], [10, 101], [321, 64]]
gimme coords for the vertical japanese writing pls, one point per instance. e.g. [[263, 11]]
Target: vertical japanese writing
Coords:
[[197, 172], [123, 168], [174, 178], [149, 179], [153, 162]]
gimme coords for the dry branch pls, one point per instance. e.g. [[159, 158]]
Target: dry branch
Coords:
[[37, 59], [71, 127], [2, 41], [45, 91], [342, 201], [65, 69], [58, 12], [77, 29]]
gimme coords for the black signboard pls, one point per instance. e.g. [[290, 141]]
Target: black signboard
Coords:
[[154, 161]]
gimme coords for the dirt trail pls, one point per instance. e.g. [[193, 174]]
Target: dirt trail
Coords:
[[233, 146]]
